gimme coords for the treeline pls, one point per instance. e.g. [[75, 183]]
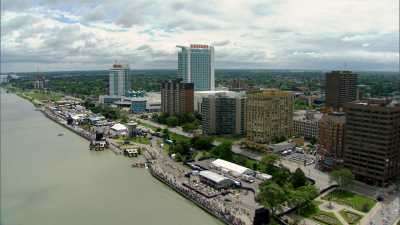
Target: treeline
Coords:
[[107, 111], [188, 121]]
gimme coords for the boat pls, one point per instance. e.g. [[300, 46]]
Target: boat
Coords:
[[60, 134]]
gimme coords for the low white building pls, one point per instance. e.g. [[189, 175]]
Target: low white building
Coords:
[[232, 168], [214, 179], [282, 146], [119, 130]]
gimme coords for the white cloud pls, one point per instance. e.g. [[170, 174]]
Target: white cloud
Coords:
[[260, 33]]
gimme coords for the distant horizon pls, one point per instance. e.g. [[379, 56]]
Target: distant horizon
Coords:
[[237, 69]]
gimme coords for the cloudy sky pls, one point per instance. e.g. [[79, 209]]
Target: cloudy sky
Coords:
[[49, 35]]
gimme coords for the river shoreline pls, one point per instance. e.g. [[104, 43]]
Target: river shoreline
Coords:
[[88, 136]]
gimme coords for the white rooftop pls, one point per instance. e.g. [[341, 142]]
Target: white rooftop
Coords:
[[235, 168], [215, 177], [118, 127]]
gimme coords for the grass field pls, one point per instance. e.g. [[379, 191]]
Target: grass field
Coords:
[[140, 140], [356, 201], [351, 218], [178, 138], [327, 218], [41, 96], [229, 138]]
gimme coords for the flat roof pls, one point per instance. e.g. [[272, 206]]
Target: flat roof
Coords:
[[230, 166], [215, 177]]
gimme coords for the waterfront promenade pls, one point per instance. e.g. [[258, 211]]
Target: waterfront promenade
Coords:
[[171, 173]]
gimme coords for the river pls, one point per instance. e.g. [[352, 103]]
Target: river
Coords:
[[55, 180]]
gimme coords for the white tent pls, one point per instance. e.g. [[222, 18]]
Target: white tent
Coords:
[[235, 169], [119, 129]]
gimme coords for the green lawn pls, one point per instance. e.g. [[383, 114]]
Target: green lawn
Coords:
[[224, 138], [40, 95], [326, 218], [356, 201], [146, 125], [351, 218], [140, 140], [178, 138]]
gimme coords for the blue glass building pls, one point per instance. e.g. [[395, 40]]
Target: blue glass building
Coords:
[[119, 82], [196, 65], [138, 105]]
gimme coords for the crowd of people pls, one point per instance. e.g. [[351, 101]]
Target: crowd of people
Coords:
[[233, 215]]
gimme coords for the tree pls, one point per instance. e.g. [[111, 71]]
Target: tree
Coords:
[[298, 179], [281, 175], [223, 151], [270, 159], [272, 196], [313, 140], [302, 197], [165, 134], [343, 177], [202, 143], [172, 121], [189, 126]]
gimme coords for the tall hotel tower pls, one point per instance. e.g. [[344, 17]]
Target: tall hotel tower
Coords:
[[196, 65], [119, 82]]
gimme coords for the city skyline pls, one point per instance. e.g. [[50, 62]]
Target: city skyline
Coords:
[[319, 35]]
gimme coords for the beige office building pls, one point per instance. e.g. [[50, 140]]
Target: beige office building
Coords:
[[269, 115]]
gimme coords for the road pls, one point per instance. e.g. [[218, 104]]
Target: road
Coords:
[[176, 130]]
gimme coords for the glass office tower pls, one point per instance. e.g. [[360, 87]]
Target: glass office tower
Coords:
[[196, 65], [119, 82]]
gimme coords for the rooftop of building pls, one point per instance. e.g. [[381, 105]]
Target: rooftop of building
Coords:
[[120, 66], [195, 46], [377, 102], [307, 115], [219, 93], [270, 92], [215, 177]]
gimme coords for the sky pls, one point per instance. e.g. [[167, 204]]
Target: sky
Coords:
[[52, 35]]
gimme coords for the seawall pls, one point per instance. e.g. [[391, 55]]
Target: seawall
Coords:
[[87, 135], [154, 174]]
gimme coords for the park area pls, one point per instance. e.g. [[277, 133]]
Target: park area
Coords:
[[128, 140], [338, 207], [353, 200], [313, 212]]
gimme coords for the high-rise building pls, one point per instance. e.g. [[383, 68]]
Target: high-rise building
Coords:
[[238, 85], [196, 65], [331, 140], [176, 97], [305, 123], [372, 140], [119, 82], [341, 87], [269, 115], [40, 82], [223, 113]]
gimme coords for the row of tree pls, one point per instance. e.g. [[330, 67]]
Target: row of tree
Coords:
[[188, 121]]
